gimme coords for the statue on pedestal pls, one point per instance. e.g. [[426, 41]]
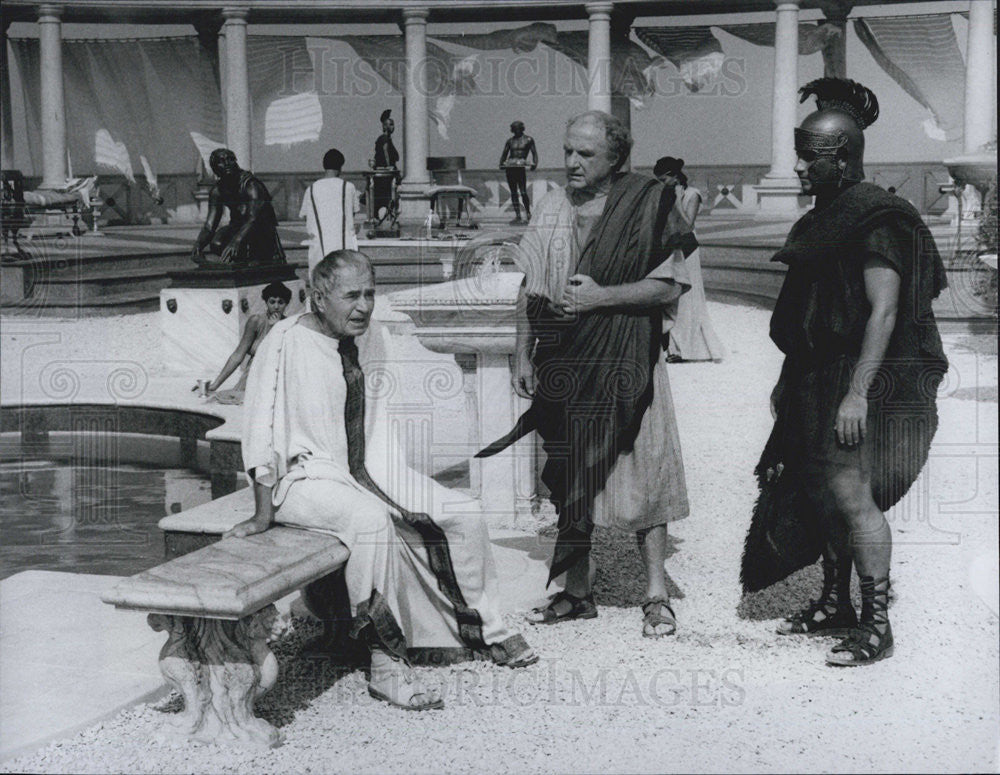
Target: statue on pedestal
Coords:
[[251, 236], [386, 158], [514, 160]]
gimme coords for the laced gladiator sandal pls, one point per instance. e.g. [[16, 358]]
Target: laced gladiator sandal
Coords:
[[827, 616], [872, 640]]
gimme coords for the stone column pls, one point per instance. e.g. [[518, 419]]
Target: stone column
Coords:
[[621, 107], [52, 97], [413, 200], [7, 128], [835, 53], [778, 193], [980, 77], [237, 95], [599, 57]]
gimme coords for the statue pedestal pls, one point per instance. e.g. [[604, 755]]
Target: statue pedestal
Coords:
[[474, 319], [204, 311]]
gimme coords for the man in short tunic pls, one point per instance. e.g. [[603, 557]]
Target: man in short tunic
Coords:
[[854, 407]]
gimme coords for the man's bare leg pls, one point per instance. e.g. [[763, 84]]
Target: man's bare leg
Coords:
[[659, 619], [871, 544]]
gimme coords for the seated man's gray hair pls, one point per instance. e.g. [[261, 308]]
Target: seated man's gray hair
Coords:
[[618, 136], [324, 274]]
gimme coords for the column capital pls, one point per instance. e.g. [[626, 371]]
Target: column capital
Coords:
[[599, 9], [416, 15], [235, 13], [49, 12], [836, 10], [786, 5]]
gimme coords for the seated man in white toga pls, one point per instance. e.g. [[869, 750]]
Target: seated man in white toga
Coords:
[[420, 577]]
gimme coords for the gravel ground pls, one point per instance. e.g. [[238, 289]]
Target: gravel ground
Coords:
[[724, 694]]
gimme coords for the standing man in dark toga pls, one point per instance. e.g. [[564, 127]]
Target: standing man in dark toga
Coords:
[[855, 406], [589, 332], [513, 160]]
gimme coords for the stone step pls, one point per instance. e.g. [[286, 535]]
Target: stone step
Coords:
[[120, 303], [147, 282]]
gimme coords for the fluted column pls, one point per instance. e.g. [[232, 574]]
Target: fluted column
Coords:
[[7, 128], [980, 76], [237, 85], [779, 191], [416, 142], [52, 97], [599, 57]]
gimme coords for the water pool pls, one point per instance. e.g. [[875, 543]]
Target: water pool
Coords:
[[62, 515]]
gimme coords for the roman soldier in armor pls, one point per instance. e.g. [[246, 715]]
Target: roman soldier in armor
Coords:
[[854, 406]]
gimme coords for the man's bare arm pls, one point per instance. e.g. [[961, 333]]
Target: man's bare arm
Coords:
[[882, 288], [255, 204], [523, 373], [211, 224], [583, 294]]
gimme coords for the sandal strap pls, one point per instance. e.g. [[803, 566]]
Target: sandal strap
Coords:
[[659, 601]]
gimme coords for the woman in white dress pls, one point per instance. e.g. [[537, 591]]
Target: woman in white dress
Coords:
[[692, 337]]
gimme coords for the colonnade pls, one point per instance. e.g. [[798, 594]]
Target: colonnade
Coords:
[[778, 190]]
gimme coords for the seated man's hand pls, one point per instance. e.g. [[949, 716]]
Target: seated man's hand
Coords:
[[250, 527]]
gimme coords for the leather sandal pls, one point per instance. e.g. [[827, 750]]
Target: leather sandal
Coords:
[[653, 616], [872, 640], [431, 704], [580, 608], [820, 618], [832, 614], [395, 674], [514, 652]]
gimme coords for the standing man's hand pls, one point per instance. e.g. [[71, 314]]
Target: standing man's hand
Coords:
[[581, 294], [523, 378], [851, 425]]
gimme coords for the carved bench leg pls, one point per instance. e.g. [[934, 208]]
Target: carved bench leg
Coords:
[[219, 667]]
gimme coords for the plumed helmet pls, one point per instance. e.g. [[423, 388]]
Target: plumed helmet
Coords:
[[844, 110], [386, 115]]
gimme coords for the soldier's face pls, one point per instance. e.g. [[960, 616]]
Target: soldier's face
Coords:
[[818, 173], [589, 161], [388, 126]]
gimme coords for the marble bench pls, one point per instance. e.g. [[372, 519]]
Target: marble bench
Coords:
[[217, 606]]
